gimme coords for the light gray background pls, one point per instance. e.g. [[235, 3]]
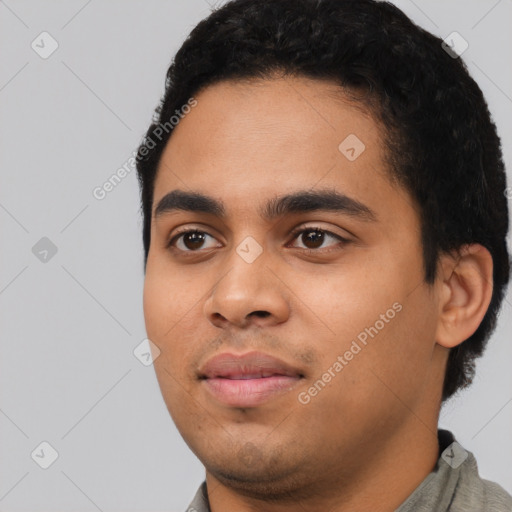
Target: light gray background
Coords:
[[68, 375]]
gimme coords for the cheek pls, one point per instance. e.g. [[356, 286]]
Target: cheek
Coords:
[[171, 303], [157, 305], [395, 364], [379, 310], [348, 298], [167, 300], [170, 327]]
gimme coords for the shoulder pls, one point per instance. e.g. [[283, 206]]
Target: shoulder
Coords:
[[496, 498], [473, 493], [489, 496]]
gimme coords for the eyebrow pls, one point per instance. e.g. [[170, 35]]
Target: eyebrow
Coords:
[[297, 202]]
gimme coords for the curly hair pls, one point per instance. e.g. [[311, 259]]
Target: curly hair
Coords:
[[442, 145]]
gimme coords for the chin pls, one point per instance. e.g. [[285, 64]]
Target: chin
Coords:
[[260, 483]]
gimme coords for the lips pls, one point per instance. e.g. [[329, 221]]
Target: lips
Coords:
[[247, 380], [252, 365]]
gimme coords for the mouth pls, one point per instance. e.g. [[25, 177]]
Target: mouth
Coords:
[[248, 380]]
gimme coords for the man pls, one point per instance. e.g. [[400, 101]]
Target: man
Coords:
[[324, 227]]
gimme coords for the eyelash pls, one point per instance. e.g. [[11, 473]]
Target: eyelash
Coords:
[[295, 233]]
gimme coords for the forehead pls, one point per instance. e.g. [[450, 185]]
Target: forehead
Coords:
[[286, 107], [251, 137]]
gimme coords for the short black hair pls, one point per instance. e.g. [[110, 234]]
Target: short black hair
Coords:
[[442, 144]]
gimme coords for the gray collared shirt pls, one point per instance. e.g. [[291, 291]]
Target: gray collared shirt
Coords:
[[454, 485]]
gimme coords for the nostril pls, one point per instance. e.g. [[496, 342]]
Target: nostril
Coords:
[[262, 314]]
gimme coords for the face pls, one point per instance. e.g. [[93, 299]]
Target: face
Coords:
[[289, 305]]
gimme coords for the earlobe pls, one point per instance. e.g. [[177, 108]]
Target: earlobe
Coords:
[[465, 293]]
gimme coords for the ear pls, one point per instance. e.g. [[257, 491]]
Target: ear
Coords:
[[466, 290]]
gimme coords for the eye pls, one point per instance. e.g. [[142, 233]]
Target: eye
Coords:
[[314, 237], [192, 240]]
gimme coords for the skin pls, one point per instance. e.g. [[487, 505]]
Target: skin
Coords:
[[368, 438]]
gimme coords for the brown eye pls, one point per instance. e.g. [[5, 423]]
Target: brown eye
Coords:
[[193, 240], [313, 238], [316, 238]]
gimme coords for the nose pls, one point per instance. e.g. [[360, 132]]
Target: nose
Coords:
[[247, 294]]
